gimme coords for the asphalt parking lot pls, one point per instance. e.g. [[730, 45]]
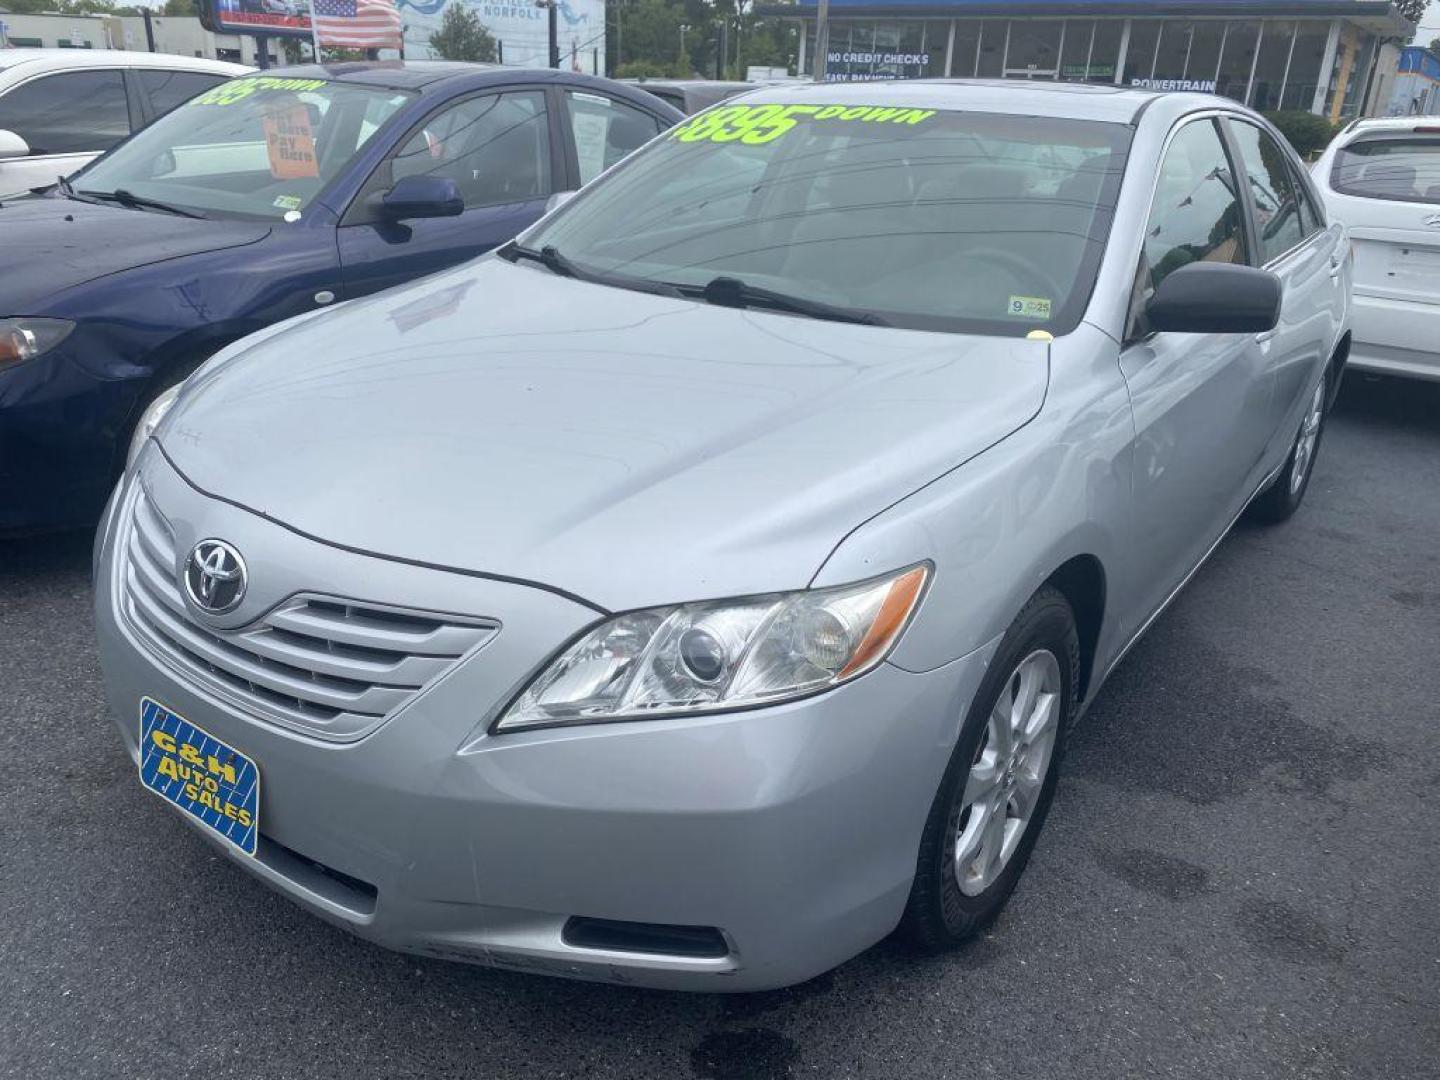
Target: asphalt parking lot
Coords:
[[1239, 877]]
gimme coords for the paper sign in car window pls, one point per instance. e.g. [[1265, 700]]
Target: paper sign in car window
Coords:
[[590, 131], [289, 143], [1029, 307]]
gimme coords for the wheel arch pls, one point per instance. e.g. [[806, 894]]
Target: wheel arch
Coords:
[[1335, 369], [1081, 580]]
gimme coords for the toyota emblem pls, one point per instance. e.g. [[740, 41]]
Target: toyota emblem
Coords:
[[215, 577]]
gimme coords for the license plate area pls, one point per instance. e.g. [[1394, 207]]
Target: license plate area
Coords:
[[206, 778]]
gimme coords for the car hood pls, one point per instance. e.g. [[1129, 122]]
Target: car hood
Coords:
[[49, 245], [626, 448]]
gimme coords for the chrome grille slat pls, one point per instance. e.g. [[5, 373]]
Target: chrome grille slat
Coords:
[[154, 580], [374, 700], [328, 666], [412, 672], [444, 641]]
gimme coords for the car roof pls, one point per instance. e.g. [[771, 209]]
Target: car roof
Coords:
[[423, 75], [1068, 101], [63, 58], [1389, 123], [693, 84]]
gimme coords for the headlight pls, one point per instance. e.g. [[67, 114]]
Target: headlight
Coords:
[[722, 655], [149, 421], [21, 339]]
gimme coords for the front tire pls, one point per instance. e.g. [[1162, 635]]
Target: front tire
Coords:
[[1282, 498], [998, 787]]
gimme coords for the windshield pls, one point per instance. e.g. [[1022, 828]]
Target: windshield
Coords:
[[943, 220], [258, 146], [1401, 170]]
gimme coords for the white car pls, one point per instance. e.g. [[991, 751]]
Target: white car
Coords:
[[59, 108], [1381, 179]]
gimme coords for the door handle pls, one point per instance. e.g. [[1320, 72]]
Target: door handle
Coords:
[[1335, 266]]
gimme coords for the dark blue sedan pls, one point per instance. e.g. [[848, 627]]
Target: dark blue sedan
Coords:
[[264, 198]]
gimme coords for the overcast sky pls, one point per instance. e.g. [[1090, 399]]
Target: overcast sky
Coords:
[[1430, 25]]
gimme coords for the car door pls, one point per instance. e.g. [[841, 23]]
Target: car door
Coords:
[[1291, 244], [66, 118], [1201, 402], [500, 149], [599, 130]]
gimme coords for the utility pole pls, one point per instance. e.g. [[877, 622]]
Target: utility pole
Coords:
[[149, 29], [822, 40], [550, 7]]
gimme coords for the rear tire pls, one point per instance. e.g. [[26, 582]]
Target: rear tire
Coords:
[[1282, 498], [969, 861]]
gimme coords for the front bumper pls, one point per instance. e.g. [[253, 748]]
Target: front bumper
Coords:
[[793, 830], [60, 427]]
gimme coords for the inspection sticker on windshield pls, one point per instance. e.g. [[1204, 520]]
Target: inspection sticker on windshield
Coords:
[[212, 782], [756, 124], [287, 202], [1029, 307]]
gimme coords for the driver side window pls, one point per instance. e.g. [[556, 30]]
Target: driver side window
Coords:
[[1196, 215], [496, 148]]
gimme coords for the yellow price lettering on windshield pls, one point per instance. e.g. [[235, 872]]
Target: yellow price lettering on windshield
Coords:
[[756, 124], [240, 89]]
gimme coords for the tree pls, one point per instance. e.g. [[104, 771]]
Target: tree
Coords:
[[462, 36], [1435, 46], [1414, 10]]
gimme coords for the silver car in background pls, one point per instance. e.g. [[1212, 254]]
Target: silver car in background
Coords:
[[705, 584]]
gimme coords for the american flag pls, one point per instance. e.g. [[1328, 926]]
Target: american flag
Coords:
[[357, 24]]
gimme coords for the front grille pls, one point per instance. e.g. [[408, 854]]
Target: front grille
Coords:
[[330, 667]]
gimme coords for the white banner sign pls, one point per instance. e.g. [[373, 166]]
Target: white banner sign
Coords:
[[521, 28]]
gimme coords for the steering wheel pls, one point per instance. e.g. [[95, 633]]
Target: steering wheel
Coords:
[[1020, 268]]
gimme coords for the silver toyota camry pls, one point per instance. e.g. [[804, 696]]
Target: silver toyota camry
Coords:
[[703, 586]]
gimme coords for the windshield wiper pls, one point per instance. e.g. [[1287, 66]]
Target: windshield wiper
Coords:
[[64, 187], [140, 202], [732, 292], [550, 258]]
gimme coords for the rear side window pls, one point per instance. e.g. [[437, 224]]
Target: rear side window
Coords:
[[70, 113], [167, 89], [1277, 203], [1196, 214], [605, 131], [1400, 170]]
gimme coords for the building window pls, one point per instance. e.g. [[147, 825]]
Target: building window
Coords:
[[1140, 57], [992, 49], [1034, 50], [1106, 53], [967, 48], [1270, 70], [1241, 39], [1305, 63], [901, 49]]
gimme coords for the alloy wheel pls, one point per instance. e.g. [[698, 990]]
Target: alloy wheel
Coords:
[[1306, 441], [1009, 771]]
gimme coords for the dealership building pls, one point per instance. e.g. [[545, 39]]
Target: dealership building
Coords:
[[1337, 58]]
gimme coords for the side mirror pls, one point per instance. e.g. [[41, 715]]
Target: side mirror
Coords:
[[12, 145], [559, 199], [1216, 298], [422, 197]]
